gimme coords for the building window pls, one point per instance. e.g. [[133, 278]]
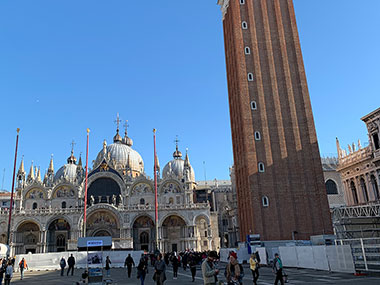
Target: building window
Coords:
[[244, 25], [144, 238], [34, 206], [247, 50], [242, 2], [250, 76], [61, 241], [257, 136], [265, 201], [261, 167], [178, 200], [375, 187], [253, 105], [354, 193], [331, 188], [205, 233], [205, 243], [364, 189], [171, 200], [142, 201], [63, 205], [376, 141]]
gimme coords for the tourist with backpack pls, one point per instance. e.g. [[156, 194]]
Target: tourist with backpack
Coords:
[[22, 266], [62, 264], [277, 268], [8, 273]]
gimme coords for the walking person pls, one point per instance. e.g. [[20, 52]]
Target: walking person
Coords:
[[254, 266], [142, 269], [233, 271], [2, 270], [193, 266], [277, 268], [8, 273], [129, 262], [160, 268], [62, 264], [108, 267], [209, 272], [71, 263], [175, 264], [22, 265]]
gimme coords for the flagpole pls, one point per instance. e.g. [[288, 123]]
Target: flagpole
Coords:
[[155, 187], [13, 186], [85, 188]]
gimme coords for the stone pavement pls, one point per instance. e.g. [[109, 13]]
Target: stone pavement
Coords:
[[296, 276]]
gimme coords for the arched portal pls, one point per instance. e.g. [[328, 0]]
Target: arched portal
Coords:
[[58, 235], [103, 223], [202, 233], [173, 233], [104, 190], [28, 236], [144, 234]]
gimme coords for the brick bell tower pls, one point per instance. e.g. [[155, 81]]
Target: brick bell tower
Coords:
[[279, 180]]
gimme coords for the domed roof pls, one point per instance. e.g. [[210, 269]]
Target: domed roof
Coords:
[[176, 167], [120, 156], [67, 172]]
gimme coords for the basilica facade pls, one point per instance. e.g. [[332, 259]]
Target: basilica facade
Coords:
[[49, 212]]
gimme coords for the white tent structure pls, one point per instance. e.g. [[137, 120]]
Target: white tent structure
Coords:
[[3, 250]]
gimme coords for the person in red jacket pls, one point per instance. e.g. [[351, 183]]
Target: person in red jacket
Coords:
[[22, 266]]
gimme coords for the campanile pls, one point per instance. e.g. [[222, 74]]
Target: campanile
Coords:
[[279, 179]]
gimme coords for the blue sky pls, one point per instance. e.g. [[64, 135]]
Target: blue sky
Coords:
[[70, 65]]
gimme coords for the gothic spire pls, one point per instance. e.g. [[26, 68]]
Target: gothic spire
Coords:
[[187, 161], [51, 165], [21, 168], [80, 160], [39, 175], [31, 173]]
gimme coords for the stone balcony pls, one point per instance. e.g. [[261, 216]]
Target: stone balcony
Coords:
[[77, 210], [355, 157]]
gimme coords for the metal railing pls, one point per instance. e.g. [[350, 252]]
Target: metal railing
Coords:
[[365, 251]]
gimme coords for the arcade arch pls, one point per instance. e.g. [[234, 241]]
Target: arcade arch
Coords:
[[27, 237], [103, 222], [58, 234], [144, 233], [173, 237]]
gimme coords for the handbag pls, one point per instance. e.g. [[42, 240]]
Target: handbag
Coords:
[[285, 276]]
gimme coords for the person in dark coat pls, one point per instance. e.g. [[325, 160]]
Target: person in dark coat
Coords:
[[160, 268], [62, 264], [142, 269], [193, 266], [175, 264], [108, 267], [129, 262], [71, 263]]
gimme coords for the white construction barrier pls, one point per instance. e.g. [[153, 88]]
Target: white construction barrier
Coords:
[[50, 261], [329, 258]]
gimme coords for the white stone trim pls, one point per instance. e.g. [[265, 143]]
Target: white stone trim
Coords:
[[224, 4]]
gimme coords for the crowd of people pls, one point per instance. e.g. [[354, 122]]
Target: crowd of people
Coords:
[[209, 262]]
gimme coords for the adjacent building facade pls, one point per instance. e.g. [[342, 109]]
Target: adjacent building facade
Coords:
[[359, 168], [277, 162], [333, 182], [48, 214]]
